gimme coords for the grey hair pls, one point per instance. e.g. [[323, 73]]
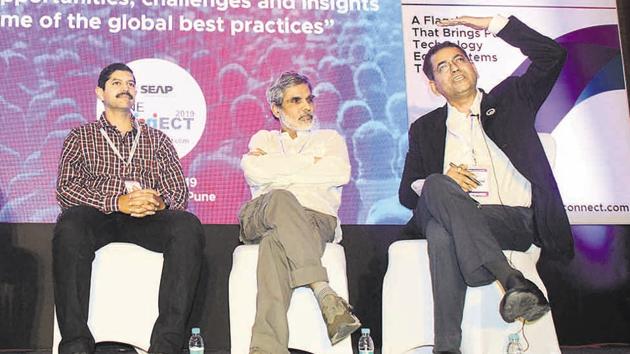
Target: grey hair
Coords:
[[275, 92]]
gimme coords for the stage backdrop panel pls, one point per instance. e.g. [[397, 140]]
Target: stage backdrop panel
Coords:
[[202, 68], [587, 110]]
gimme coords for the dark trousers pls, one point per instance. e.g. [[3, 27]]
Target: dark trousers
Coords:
[[82, 230], [462, 236]]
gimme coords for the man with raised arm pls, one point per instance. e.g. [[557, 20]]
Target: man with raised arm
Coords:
[[486, 185], [295, 175], [121, 181]]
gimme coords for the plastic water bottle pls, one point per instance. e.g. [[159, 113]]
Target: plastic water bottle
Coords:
[[514, 344], [195, 343], [366, 345]]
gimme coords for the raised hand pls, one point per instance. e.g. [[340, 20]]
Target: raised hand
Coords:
[[478, 23]]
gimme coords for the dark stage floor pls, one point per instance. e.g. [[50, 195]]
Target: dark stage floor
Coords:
[[120, 349]]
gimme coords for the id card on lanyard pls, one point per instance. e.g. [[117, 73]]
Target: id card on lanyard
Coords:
[[130, 185]]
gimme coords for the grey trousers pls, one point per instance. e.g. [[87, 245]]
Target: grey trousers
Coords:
[[292, 241], [462, 236]]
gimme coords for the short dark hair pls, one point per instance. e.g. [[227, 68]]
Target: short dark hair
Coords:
[[426, 65], [107, 72]]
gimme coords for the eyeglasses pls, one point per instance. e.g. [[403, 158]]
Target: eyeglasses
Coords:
[[445, 65]]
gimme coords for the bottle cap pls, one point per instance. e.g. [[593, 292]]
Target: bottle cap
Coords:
[[196, 330], [365, 331]]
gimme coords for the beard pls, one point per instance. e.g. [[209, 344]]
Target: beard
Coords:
[[299, 125]]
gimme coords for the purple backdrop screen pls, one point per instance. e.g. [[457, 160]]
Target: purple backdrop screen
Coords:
[[202, 69]]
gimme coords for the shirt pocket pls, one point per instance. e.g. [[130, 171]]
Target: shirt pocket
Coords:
[[147, 168]]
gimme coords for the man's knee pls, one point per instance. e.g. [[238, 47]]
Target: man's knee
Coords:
[[438, 187], [188, 229], [279, 200], [438, 183], [281, 197]]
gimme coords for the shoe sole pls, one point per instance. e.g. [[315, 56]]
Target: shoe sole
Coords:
[[525, 305], [344, 331]]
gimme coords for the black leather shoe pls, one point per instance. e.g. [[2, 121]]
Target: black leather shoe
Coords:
[[523, 300]]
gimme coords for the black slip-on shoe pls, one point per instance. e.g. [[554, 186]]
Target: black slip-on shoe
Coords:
[[524, 300]]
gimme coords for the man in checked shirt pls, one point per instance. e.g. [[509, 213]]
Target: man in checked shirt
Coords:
[[121, 181]]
